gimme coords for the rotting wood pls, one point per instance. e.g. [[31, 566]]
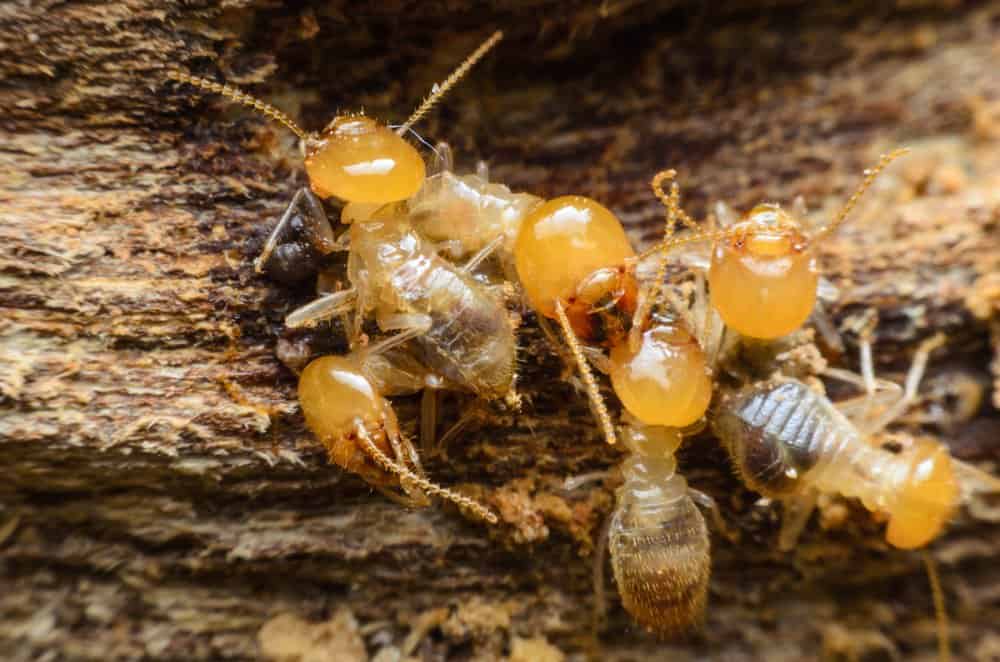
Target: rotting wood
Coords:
[[147, 512]]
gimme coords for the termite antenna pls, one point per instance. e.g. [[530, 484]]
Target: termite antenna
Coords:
[[940, 610], [427, 486], [667, 246], [674, 213], [870, 176], [670, 201], [240, 97], [439, 91], [596, 401], [652, 292]]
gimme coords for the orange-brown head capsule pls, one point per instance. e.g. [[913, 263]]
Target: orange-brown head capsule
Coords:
[[601, 310], [561, 243], [926, 499], [763, 275], [336, 397], [358, 159], [665, 380]]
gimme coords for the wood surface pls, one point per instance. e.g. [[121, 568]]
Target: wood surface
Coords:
[[161, 498]]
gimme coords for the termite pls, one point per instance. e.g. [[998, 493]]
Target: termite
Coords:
[[462, 329], [344, 408], [763, 272], [789, 442], [355, 158], [657, 537]]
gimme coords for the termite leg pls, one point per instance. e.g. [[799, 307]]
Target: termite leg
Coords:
[[483, 254], [582, 480], [706, 502], [472, 413], [597, 574], [940, 609], [826, 328], [858, 409], [409, 327], [428, 419], [321, 309], [909, 396], [725, 215], [315, 224], [443, 159], [797, 510], [799, 209]]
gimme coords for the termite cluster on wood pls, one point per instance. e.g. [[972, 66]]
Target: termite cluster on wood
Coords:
[[416, 245]]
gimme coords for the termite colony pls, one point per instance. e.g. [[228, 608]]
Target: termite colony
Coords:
[[397, 278], [414, 245]]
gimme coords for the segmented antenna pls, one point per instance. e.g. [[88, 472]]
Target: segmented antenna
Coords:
[[686, 239], [241, 97], [596, 401], [669, 224], [674, 212], [870, 176], [940, 610], [427, 486], [440, 90]]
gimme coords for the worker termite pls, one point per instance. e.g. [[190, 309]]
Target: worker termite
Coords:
[[657, 537], [461, 329], [343, 406], [355, 158], [763, 273], [789, 442]]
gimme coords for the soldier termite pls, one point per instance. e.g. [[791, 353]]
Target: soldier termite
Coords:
[[763, 273], [789, 442], [461, 328]]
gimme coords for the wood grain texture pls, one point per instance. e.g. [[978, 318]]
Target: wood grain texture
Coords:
[[150, 511]]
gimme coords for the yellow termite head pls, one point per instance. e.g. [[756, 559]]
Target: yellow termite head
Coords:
[[763, 275], [360, 160], [665, 380], [337, 399], [571, 247], [926, 498]]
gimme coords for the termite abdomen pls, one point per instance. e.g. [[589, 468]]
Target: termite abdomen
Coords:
[[659, 548], [773, 435], [300, 242], [662, 571]]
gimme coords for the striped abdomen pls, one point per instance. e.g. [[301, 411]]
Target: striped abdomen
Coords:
[[784, 437], [778, 432], [659, 548]]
